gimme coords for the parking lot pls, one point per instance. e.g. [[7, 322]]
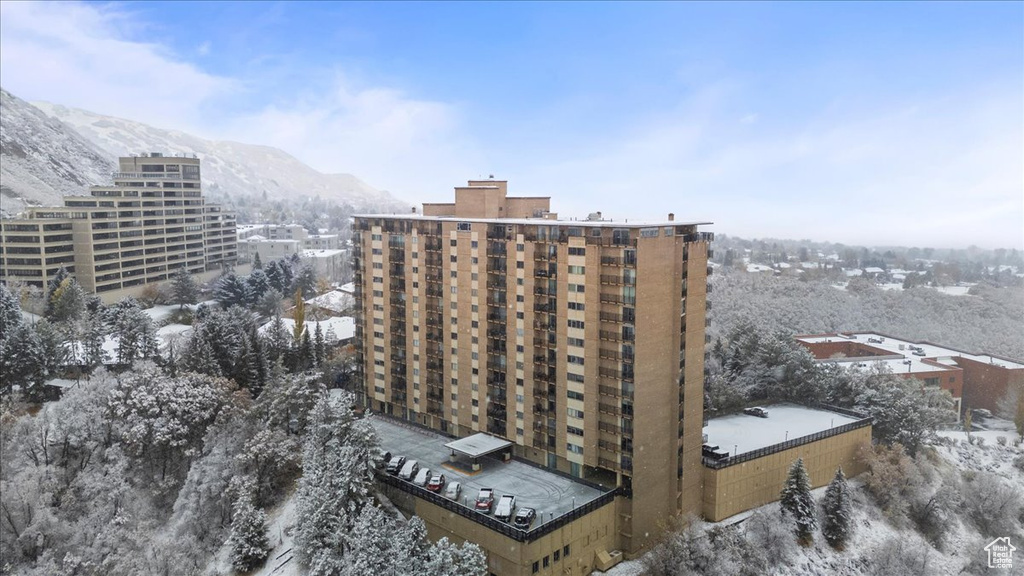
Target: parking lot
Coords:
[[551, 495]]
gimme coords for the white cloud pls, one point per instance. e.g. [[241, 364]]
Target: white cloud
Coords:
[[939, 173], [81, 55]]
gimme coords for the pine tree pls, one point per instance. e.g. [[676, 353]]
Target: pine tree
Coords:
[[199, 356], [51, 286], [276, 277], [184, 289], [256, 285], [257, 264], [837, 512], [319, 347], [231, 291], [299, 315], [248, 540], [67, 304], [797, 501], [305, 281]]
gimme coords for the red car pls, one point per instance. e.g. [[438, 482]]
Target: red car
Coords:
[[436, 483], [485, 500]]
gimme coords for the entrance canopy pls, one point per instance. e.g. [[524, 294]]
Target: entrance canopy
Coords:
[[477, 445]]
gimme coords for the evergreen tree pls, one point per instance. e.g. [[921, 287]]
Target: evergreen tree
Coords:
[[10, 312], [133, 329], [319, 347], [184, 288], [305, 281], [22, 361], [276, 277], [256, 285], [447, 559], [337, 482], [199, 356], [231, 291], [257, 264], [837, 512], [248, 540], [299, 315], [304, 355], [67, 304], [51, 286], [797, 501]]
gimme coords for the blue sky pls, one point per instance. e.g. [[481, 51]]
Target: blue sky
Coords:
[[874, 123]]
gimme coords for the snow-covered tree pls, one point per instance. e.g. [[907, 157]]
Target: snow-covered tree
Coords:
[[133, 329], [837, 512], [248, 540], [305, 282], [256, 285], [184, 288], [904, 411], [337, 479], [257, 263], [447, 559], [52, 285], [67, 304], [231, 291], [797, 502]]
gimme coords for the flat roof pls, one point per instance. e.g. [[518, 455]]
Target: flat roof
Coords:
[[892, 345], [550, 494], [540, 221], [479, 444], [741, 433]]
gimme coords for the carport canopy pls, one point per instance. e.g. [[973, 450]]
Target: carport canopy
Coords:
[[478, 445]]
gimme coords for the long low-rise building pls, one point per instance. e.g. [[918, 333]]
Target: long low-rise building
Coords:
[[747, 457], [975, 380]]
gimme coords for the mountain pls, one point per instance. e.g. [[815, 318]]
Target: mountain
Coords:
[[230, 169], [42, 159]]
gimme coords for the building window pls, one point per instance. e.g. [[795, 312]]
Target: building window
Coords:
[[575, 413], [536, 567], [558, 555], [565, 551], [576, 306], [575, 342], [575, 359], [573, 251], [574, 430], [576, 324], [576, 270], [546, 563], [576, 288], [575, 395], [574, 377]]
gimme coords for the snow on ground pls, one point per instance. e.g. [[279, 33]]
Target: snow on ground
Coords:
[[280, 531]]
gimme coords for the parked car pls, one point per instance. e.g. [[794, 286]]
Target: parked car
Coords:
[[756, 411], [524, 518], [919, 352], [453, 490], [409, 470], [485, 500], [422, 477], [395, 464], [436, 483], [505, 508]]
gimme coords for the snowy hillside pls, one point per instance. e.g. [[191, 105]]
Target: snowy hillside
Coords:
[[42, 159], [230, 169]]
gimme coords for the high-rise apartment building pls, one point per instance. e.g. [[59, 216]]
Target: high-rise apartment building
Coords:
[[582, 342], [152, 221]]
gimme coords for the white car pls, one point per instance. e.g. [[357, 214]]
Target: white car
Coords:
[[409, 470], [422, 477], [452, 491]]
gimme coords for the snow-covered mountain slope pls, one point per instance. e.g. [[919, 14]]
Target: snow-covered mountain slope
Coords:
[[42, 159], [230, 169]]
